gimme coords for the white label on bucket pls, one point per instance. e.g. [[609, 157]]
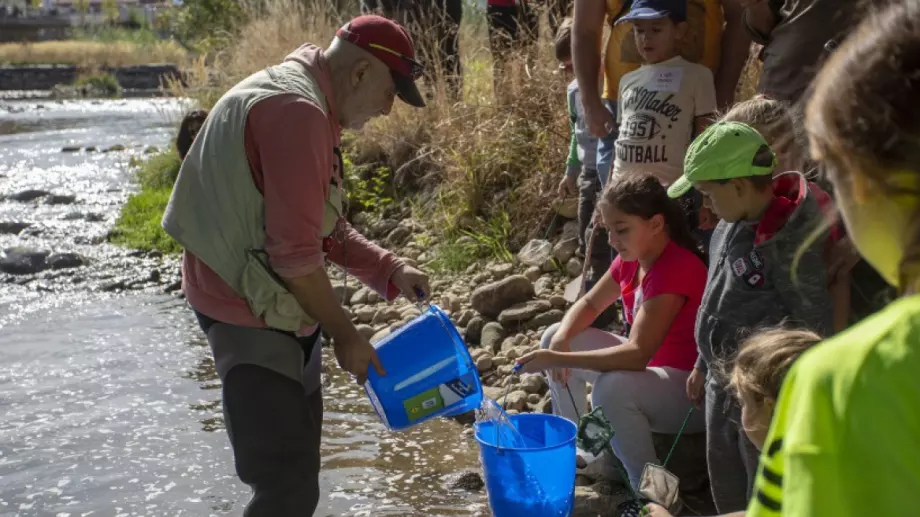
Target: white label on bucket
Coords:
[[424, 374]]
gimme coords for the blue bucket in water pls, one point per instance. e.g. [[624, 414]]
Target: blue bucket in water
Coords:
[[531, 475], [429, 373]]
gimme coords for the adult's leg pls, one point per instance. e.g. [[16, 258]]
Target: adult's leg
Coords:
[[275, 432], [272, 405], [731, 458], [638, 403], [575, 389], [450, 47], [606, 147]]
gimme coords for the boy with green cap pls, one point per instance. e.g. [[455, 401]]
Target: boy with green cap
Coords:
[[765, 270]]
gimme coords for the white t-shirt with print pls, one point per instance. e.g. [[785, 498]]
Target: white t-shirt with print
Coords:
[[657, 105]]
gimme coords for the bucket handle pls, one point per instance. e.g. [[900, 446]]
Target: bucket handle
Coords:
[[424, 305]]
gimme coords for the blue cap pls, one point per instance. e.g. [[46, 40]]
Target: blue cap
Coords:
[[654, 9]]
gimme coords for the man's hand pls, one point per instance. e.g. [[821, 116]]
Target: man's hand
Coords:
[[355, 355], [567, 187], [599, 120], [656, 511], [696, 383], [411, 282]]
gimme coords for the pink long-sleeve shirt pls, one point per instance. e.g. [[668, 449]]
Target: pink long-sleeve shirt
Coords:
[[289, 143]]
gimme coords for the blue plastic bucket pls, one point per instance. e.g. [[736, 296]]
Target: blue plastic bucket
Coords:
[[536, 480], [429, 373]]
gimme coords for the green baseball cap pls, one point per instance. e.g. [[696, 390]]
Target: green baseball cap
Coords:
[[726, 150]]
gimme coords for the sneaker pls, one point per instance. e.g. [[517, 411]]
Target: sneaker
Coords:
[[595, 468]]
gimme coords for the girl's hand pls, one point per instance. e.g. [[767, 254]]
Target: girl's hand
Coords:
[[695, 385], [537, 361], [656, 511]]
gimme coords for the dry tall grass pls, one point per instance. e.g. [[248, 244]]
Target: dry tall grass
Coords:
[[92, 53], [472, 162]]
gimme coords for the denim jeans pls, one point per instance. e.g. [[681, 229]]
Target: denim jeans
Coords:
[[606, 146]]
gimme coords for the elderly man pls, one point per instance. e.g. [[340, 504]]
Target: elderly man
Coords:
[[258, 207]]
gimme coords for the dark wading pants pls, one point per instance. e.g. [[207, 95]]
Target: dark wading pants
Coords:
[[273, 409]]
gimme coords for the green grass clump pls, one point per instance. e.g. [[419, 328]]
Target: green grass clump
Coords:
[[138, 225], [102, 84]]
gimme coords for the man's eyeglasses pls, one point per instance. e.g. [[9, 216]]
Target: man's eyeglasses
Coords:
[[415, 68]]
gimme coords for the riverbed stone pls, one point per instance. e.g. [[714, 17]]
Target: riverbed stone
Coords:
[[492, 335], [557, 300], [484, 363], [565, 249], [114, 148], [66, 260], [534, 383], [471, 481], [360, 296], [547, 318], [12, 227], [366, 313], [398, 236], [366, 331], [28, 195], [597, 501], [474, 330], [522, 312], [60, 199], [465, 317], [380, 335], [543, 285], [491, 299], [573, 267], [502, 270], [515, 401], [533, 273], [386, 315], [23, 261]]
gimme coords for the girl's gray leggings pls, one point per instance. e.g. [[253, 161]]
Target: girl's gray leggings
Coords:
[[637, 403]]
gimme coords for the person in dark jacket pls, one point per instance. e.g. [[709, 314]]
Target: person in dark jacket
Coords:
[[765, 270]]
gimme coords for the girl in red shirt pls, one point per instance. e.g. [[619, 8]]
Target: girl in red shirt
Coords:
[[639, 380]]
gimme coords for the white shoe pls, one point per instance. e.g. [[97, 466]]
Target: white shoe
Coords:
[[595, 468]]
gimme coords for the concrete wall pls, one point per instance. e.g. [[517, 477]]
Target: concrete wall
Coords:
[[45, 77]]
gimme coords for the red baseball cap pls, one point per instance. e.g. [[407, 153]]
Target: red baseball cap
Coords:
[[389, 42]]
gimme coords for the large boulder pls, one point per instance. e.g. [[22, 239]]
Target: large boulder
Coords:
[[491, 299], [23, 261], [12, 227], [29, 195], [65, 260]]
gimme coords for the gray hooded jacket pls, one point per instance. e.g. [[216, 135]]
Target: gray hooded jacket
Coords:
[[751, 283]]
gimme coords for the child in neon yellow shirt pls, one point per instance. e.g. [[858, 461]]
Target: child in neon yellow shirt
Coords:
[[845, 438]]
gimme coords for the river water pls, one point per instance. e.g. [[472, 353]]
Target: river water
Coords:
[[109, 403]]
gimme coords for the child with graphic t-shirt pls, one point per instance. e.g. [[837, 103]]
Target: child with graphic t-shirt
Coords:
[[663, 104], [764, 271]]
